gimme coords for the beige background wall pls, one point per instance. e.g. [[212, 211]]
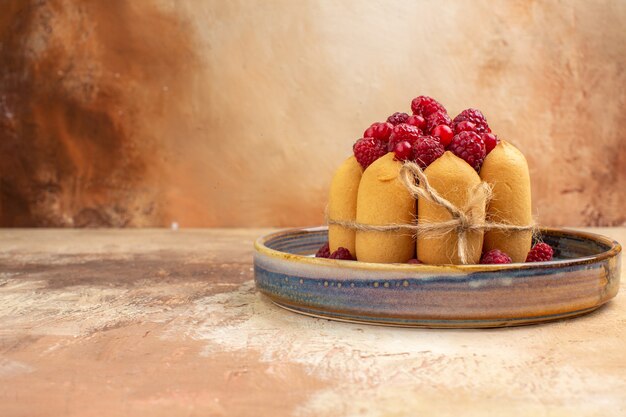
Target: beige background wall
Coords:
[[224, 113]]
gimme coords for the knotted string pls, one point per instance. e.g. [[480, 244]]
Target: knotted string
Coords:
[[464, 220]]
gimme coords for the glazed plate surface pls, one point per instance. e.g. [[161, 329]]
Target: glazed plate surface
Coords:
[[583, 276]]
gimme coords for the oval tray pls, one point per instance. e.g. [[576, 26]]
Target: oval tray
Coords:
[[584, 275]]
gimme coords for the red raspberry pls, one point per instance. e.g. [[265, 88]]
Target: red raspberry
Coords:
[[414, 261], [465, 126], [425, 106], [491, 141], [323, 251], [403, 151], [379, 130], [541, 252], [397, 118], [495, 256], [444, 133], [406, 130], [342, 253], [426, 150], [437, 119], [401, 133], [475, 116], [417, 121], [469, 147], [367, 150]]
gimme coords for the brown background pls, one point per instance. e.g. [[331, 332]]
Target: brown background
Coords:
[[224, 113]]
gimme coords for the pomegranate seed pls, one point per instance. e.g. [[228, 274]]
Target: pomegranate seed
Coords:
[[444, 133], [490, 140], [403, 151], [379, 130]]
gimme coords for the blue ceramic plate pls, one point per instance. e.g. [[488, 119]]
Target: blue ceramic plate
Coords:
[[584, 275]]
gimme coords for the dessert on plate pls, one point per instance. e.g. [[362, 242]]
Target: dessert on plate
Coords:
[[422, 200]]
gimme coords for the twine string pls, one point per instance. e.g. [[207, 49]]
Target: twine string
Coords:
[[464, 220]]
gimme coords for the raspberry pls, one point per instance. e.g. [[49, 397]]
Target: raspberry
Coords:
[[401, 133], [323, 251], [469, 147], [426, 150], [414, 261], [342, 253], [437, 119], [367, 150], [379, 130], [403, 151], [541, 252], [406, 130], [444, 133], [475, 116], [397, 118], [425, 106], [491, 141], [495, 256], [417, 121]]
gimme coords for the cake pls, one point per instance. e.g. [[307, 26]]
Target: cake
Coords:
[[426, 188]]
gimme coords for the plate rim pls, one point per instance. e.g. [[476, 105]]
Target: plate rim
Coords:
[[615, 248]]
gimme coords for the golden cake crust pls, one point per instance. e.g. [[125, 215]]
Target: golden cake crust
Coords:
[[342, 204], [382, 200], [506, 170], [454, 180]]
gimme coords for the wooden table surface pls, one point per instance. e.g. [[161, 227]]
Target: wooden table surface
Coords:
[[168, 323]]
